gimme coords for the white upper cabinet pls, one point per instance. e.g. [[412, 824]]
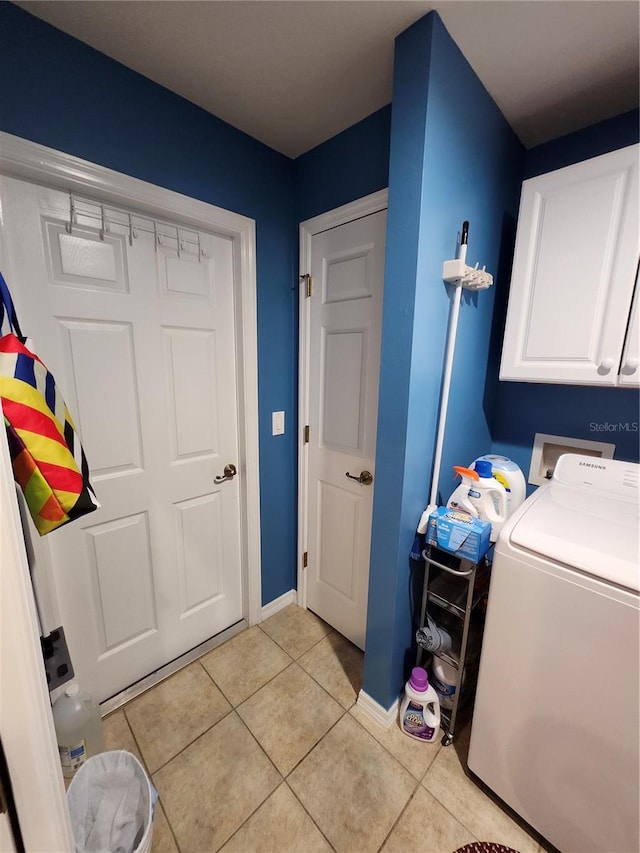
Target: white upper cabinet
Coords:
[[576, 258]]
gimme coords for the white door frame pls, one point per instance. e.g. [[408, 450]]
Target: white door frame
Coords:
[[332, 219], [28, 734], [29, 161]]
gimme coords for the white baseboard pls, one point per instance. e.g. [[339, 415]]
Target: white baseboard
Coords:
[[385, 717], [278, 604]]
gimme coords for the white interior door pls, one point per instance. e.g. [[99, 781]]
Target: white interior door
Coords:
[[347, 268], [139, 332]]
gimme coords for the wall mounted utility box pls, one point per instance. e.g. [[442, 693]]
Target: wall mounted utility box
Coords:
[[547, 449]]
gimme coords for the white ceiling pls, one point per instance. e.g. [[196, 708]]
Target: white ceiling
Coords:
[[293, 73]]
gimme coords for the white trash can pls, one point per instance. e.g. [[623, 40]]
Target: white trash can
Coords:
[[111, 803]]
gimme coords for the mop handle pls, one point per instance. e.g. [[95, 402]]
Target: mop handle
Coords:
[[448, 370]]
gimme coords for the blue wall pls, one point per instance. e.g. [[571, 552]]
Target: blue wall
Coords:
[[61, 93], [524, 408], [440, 173], [589, 142], [347, 167]]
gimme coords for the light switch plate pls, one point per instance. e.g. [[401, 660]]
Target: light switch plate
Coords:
[[277, 423]]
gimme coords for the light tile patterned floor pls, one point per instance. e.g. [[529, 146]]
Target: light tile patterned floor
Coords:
[[258, 747]]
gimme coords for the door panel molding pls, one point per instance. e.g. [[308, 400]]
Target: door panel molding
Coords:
[[308, 229], [29, 161]]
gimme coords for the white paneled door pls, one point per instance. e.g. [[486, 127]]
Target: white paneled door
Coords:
[[138, 329], [347, 268]]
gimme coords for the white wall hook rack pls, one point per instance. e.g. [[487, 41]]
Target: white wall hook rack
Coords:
[[471, 278]]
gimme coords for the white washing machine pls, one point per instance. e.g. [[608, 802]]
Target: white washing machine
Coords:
[[555, 731]]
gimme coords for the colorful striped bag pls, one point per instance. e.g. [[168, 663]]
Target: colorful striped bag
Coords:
[[49, 464]]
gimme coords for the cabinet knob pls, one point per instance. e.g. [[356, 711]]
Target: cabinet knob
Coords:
[[606, 365], [630, 366]]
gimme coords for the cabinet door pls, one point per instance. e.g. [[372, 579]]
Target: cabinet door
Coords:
[[630, 364], [573, 274]]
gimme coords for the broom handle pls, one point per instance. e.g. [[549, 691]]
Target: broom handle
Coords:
[[446, 385]]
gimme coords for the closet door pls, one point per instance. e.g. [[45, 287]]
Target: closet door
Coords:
[[344, 332]]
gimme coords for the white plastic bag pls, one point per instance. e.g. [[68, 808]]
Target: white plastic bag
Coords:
[[111, 802]]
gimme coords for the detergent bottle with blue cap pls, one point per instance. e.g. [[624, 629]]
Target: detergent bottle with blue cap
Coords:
[[481, 495], [509, 474]]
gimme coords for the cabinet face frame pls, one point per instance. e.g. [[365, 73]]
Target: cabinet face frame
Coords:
[[577, 227]]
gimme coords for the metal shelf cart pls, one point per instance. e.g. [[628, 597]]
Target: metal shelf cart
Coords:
[[456, 586]]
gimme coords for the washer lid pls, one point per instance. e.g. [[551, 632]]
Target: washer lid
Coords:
[[590, 529]]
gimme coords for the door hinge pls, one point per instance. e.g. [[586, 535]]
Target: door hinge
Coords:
[[308, 283], [305, 559], [307, 431]]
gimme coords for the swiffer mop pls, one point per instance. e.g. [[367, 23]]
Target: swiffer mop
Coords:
[[454, 272]]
